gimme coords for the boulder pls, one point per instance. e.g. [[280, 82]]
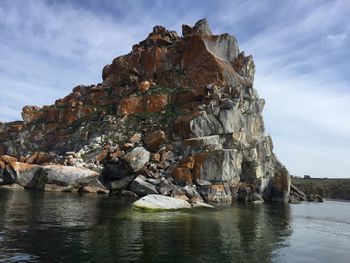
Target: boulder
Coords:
[[141, 187], [155, 157], [154, 140], [192, 194], [160, 202], [215, 193], [26, 175], [144, 86], [93, 156], [122, 183], [137, 158], [74, 177], [8, 159], [136, 138], [115, 171], [177, 192], [164, 187], [42, 158], [95, 186], [31, 113]]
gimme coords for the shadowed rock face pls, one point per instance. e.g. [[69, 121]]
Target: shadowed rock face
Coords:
[[196, 91]]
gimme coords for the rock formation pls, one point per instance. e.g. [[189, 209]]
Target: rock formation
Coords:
[[175, 113]]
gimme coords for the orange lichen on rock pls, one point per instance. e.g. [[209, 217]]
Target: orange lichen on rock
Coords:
[[182, 175], [144, 86]]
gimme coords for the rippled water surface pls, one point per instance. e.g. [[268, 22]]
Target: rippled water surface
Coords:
[[57, 227]]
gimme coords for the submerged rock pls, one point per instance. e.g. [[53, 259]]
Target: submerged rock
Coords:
[[201, 205], [160, 202]]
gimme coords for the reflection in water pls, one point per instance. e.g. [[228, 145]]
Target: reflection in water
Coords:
[[64, 227], [53, 227]]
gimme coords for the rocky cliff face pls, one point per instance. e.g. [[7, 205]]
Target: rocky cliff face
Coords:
[[176, 113]]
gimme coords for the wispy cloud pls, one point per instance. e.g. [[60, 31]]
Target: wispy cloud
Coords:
[[300, 49]]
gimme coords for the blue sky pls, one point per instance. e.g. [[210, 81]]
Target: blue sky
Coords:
[[301, 51]]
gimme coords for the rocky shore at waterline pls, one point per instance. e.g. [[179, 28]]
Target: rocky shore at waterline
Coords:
[[178, 116]]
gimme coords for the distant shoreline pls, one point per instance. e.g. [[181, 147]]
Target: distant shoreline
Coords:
[[337, 200], [329, 188]]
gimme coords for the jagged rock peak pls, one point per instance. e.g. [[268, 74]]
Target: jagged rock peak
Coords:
[[160, 36], [200, 28], [194, 60]]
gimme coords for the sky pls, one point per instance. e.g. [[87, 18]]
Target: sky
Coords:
[[300, 48]]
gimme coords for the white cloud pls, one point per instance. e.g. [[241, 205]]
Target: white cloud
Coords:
[[305, 81]]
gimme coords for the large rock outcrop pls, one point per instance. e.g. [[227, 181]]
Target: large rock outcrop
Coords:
[[174, 111]]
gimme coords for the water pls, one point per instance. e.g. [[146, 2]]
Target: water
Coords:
[[58, 227]]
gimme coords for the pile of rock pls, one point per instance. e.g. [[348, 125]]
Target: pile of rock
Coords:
[[177, 116], [51, 177], [296, 195]]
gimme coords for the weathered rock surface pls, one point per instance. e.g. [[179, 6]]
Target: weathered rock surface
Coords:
[[26, 175], [154, 140], [141, 187], [279, 186], [137, 158], [160, 202], [38, 177], [216, 193], [218, 166], [173, 113], [122, 183], [74, 177]]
